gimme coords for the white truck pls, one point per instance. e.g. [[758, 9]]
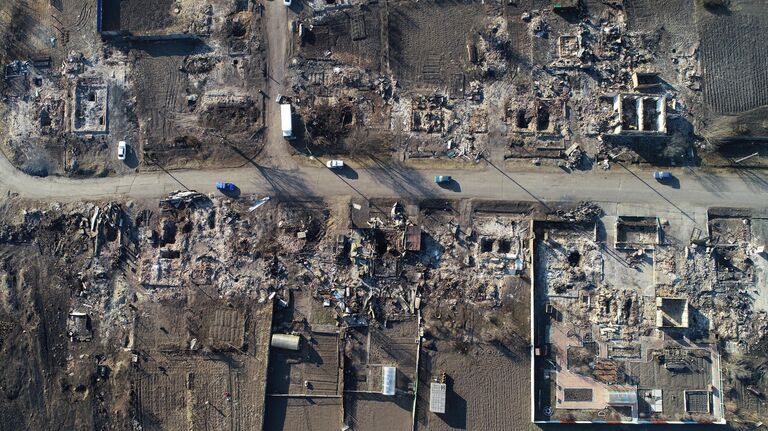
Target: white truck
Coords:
[[286, 121]]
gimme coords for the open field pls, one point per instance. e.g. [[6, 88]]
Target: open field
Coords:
[[428, 40], [736, 69], [488, 388]]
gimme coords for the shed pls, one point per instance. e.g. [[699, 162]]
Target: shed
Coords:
[[286, 341], [437, 397], [622, 397], [388, 378]]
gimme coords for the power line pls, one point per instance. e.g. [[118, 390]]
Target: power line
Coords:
[[148, 156]]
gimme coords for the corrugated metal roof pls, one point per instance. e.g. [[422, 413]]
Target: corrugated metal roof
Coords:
[[437, 397], [388, 377], [286, 341], [622, 397]]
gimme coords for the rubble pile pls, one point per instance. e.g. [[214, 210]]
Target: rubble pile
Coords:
[[89, 242], [574, 264], [574, 156], [360, 99], [36, 102], [584, 212], [450, 129], [555, 77], [598, 44], [69, 101], [476, 276], [327, 126], [493, 50], [720, 276], [363, 273], [199, 241], [462, 277]]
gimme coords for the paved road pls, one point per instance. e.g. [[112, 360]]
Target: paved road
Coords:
[[695, 190]]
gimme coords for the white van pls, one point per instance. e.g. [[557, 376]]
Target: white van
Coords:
[[286, 121]]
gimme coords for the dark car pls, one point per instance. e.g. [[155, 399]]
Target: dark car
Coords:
[[225, 187], [662, 175]]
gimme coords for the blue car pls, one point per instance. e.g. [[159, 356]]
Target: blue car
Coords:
[[662, 175], [442, 179], [225, 187]]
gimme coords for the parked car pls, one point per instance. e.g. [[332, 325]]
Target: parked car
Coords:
[[225, 187], [662, 175], [122, 150], [287, 3], [334, 164], [442, 179]]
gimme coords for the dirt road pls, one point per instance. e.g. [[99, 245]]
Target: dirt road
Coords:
[[619, 185], [276, 16]]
